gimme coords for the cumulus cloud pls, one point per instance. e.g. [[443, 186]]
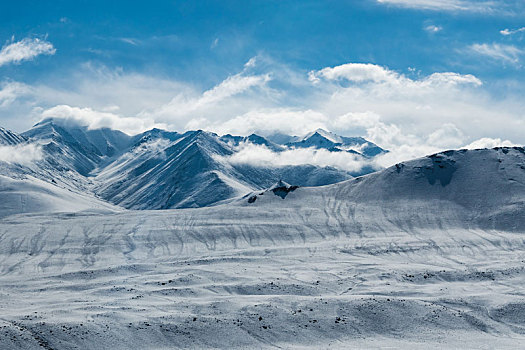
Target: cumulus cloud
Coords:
[[371, 73], [24, 154], [266, 121], [355, 72], [25, 49], [260, 155], [96, 119], [487, 142], [499, 52]]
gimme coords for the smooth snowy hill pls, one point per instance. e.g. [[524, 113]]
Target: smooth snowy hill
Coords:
[[425, 254], [465, 188], [32, 195]]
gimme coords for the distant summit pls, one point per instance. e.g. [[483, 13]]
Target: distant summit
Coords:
[[324, 139]]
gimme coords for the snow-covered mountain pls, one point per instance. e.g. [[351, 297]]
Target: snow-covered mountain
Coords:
[[330, 141], [160, 169], [427, 253], [188, 170], [76, 147]]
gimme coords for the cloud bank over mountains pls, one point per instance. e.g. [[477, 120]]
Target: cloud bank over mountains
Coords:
[[24, 154], [411, 114]]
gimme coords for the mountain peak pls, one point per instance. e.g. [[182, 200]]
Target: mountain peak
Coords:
[[323, 134]]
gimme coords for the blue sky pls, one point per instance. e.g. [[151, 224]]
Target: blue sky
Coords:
[[418, 75], [171, 38]]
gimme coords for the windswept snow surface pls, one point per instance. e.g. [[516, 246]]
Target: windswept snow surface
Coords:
[[429, 253], [32, 195]]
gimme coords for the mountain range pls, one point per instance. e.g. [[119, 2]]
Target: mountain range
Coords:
[[157, 169]]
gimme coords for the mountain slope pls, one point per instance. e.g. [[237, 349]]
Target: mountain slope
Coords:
[[426, 254], [9, 138], [470, 188]]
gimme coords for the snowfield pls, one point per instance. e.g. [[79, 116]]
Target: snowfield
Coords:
[[428, 253]]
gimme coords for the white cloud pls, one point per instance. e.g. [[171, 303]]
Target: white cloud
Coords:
[[214, 43], [448, 5], [507, 32], [96, 120], [251, 62], [449, 78], [487, 142], [355, 72], [232, 95], [401, 144], [371, 73], [448, 136], [260, 155], [500, 52], [10, 91], [24, 154], [265, 121], [131, 41], [26, 49], [433, 28], [409, 116], [99, 87]]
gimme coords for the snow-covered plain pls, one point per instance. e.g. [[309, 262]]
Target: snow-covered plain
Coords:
[[429, 253]]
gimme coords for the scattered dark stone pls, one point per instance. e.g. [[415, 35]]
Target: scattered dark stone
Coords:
[[282, 191]]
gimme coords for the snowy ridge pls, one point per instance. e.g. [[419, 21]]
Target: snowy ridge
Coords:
[[321, 134], [10, 138]]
